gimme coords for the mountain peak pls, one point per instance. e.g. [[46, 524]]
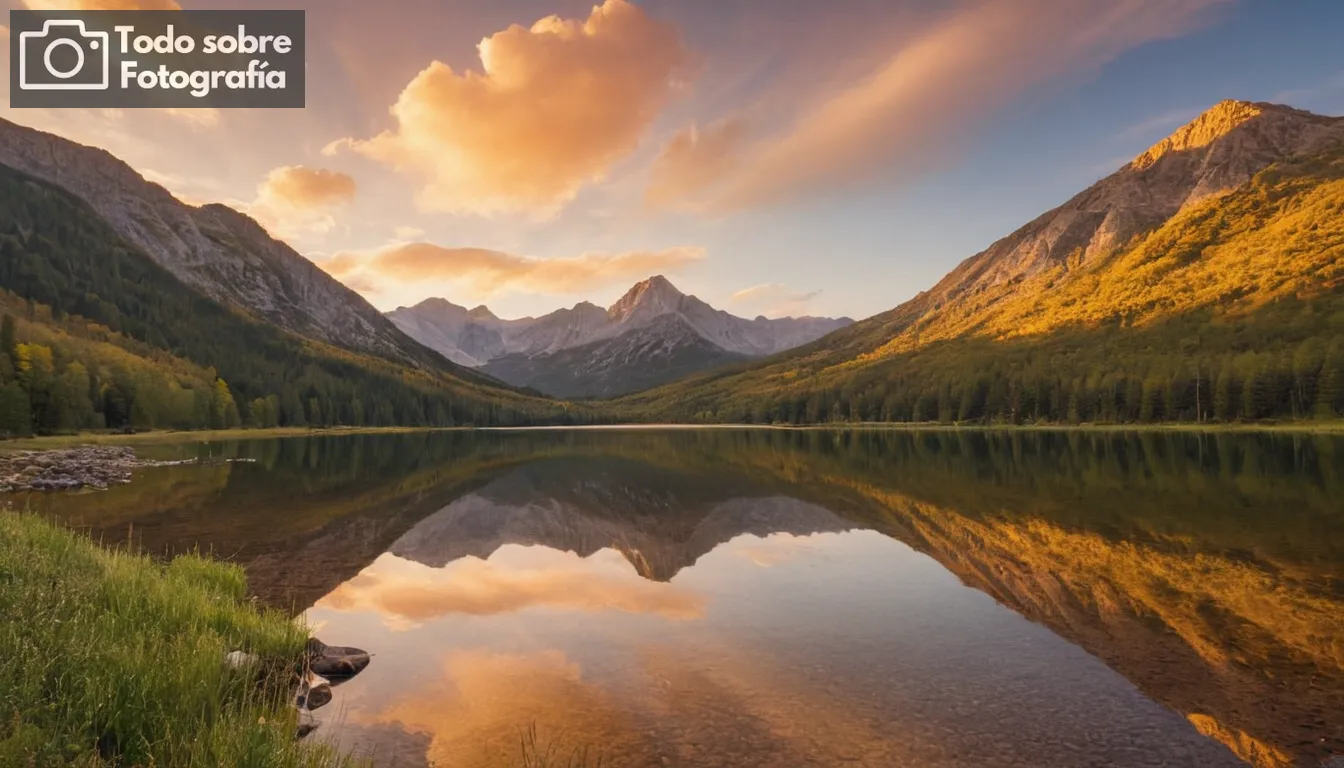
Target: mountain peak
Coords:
[[1215, 123], [482, 312], [655, 295]]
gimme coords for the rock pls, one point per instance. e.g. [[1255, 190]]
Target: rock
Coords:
[[335, 663], [313, 697], [320, 696], [70, 469], [241, 659], [307, 724]]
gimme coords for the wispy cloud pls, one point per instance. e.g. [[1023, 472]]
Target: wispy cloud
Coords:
[[1159, 125], [102, 5], [775, 300], [908, 114], [483, 272], [1330, 90]]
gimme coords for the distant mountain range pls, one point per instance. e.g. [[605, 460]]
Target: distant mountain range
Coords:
[[654, 334], [1203, 280], [641, 510]]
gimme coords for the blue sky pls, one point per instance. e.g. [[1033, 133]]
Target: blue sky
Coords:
[[780, 157]]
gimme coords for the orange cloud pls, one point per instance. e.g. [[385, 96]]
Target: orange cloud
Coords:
[[481, 588], [904, 116], [300, 187], [476, 705], [294, 198], [487, 272], [102, 5], [341, 264], [554, 107]]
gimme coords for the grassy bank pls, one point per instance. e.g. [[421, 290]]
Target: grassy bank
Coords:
[[47, 442], [108, 658]]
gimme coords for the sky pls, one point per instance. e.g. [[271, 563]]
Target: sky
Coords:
[[774, 157]]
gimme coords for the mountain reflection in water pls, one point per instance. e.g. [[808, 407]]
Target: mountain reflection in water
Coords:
[[794, 598]]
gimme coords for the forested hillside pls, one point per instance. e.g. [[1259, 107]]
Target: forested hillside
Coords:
[[1232, 309], [104, 337]]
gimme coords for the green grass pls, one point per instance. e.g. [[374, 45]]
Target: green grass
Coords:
[[157, 436], [112, 659]]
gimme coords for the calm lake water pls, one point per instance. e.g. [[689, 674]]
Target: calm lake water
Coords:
[[791, 598]]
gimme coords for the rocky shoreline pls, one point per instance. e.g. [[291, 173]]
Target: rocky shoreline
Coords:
[[70, 469]]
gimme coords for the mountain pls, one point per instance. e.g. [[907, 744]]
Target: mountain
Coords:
[[212, 249], [654, 334], [126, 314], [644, 511], [475, 337], [666, 349], [1220, 151], [1201, 280], [467, 337]]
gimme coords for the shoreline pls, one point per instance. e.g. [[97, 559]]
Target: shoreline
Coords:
[[121, 666], [49, 442], [153, 437]]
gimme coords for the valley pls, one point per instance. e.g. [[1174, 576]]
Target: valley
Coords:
[[655, 384], [1199, 283]]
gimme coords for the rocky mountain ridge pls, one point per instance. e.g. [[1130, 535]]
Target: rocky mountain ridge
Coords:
[[213, 249], [651, 335], [1214, 154]]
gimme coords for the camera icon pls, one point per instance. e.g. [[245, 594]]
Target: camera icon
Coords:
[[64, 56]]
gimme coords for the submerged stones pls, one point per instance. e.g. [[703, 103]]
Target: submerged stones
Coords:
[[335, 663], [326, 666], [94, 467], [69, 469]]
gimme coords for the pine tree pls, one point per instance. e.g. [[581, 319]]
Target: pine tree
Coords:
[[1330, 384], [1224, 400], [9, 345], [1250, 399], [15, 419]]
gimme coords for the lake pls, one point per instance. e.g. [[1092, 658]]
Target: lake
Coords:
[[789, 598]]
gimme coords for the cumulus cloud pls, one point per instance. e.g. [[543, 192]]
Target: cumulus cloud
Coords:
[[295, 198], [904, 116], [342, 264], [486, 272], [472, 702], [552, 109], [302, 187], [102, 5], [409, 595]]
